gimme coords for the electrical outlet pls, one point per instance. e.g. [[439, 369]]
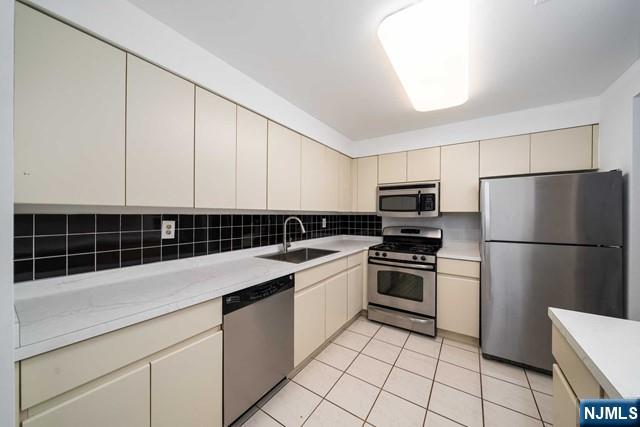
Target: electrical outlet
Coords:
[[324, 222], [168, 229]]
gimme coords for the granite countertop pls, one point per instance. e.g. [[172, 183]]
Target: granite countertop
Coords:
[[460, 249], [608, 346], [56, 312]]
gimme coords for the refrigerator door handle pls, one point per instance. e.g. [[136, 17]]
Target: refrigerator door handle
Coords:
[[485, 208]]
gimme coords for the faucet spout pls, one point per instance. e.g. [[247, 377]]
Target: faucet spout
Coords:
[[285, 243]]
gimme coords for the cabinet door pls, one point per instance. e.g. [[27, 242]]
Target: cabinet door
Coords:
[[309, 315], [460, 178], [344, 184], [331, 180], [392, 168], [423, 165], [215, 151], [565, 403], [459, 305], [562, 150], [160, 133], [505, 156], [354, 292], [122, 401], [251, 162], [69, 114], [283, 168], [313, 174], [186, 385], [595, 161], [336, 303], [367, 179]]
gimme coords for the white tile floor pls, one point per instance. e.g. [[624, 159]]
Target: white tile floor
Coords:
[[382, 376]]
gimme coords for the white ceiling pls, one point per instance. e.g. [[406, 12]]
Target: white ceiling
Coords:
[[324, 55]]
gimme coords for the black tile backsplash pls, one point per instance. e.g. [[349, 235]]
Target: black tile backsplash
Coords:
[[48, 245]]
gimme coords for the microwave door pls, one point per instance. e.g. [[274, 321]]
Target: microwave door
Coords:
[[402, 204]]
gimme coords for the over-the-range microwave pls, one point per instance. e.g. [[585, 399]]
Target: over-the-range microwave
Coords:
[[417, 200]]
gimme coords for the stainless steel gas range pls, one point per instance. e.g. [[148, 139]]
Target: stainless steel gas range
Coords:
[[402, 288]]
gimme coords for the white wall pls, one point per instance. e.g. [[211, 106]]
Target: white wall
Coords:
[[618, 151], [556, 116], [7, 390], [128, 27]]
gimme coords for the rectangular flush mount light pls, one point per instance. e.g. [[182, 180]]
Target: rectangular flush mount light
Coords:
[[428, 46]]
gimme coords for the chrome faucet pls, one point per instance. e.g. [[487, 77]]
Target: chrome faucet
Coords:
[[285, 243]]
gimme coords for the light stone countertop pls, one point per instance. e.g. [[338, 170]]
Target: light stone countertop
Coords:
[[609, 348], [56, 312], [460, 249]]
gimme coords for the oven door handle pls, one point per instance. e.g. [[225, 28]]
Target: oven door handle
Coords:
[[400, 264]]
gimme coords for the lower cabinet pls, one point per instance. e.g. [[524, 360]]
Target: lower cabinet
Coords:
[[355, 291], [121, 401], [309, 321], [458, 297], [565, 403], [186, 385], [335, 290]]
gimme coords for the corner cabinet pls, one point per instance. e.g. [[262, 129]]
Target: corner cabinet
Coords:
[[283, 182], [460, 177], [69, 114], [160, 136]]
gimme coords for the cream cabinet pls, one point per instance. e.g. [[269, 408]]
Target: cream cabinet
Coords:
[[215, 151], [69, 117], [459, 296], [186, 385], [335, 290], [309, 321], [345, 190], [160, 133], [565, 403], [595, 161], [392, 168], [423, 165], [120, 401], [313, 165], [367, 183], [331, 181], [459, 178], [505, 156], [251, 160], [562, 150], [283, 168], [355, 291]]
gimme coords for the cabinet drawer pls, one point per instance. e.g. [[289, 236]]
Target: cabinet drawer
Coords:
[[582, 382], [459, 267], [53, 373], [354, 260], [565, 403], [313, 275]]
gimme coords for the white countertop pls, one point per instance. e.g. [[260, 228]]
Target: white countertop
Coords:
[[463, 250], [609, 348], [60, 311]]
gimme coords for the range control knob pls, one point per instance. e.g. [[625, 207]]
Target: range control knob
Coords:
[[384, 254], [415, 257], [377, 253], [423, 258]]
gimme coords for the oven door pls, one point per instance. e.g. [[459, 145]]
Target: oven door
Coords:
[[402, 286]]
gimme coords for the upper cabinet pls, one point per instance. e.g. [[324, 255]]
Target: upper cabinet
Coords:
[[459, 178], [345, 190], [69, 114], [505, 156], [367, 182], [562, 150], [215, 152], [595, 161], [160, 136], [392, 168], [332, 180], [251, 162], [314, 162], [283, 168], [423, 165]]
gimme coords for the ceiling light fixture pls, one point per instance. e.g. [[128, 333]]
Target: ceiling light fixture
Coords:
[[428, 46]]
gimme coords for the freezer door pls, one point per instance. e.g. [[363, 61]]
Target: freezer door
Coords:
[[521, 281], [583, 209]]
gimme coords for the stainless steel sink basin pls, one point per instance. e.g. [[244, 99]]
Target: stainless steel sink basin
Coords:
[[297, 256]]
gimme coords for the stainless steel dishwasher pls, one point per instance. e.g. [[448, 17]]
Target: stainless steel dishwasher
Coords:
[[258, 343]]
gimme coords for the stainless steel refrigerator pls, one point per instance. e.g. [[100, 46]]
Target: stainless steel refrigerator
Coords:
[[547, 241]]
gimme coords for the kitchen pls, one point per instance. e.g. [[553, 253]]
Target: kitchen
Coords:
[[234, 214]]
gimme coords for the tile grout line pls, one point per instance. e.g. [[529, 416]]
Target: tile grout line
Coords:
[[435, 372], [535, 401], [481, 390]]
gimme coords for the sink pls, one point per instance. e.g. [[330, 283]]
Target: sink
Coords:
[[297, 256]]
